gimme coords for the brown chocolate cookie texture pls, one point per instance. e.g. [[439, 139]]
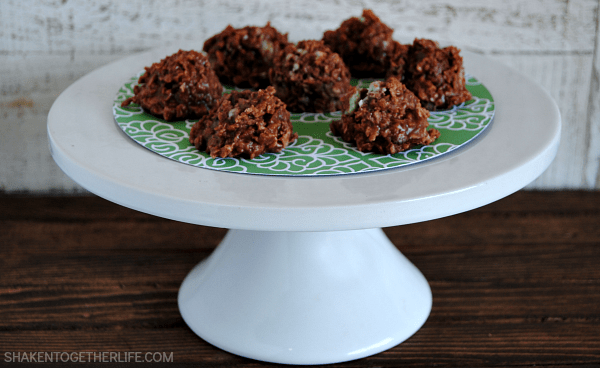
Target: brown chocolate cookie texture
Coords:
[[366, 46], [388, 119], [180, 86], [244, 124], [309, 77], [436, 75], [398, 56], [243, 56]]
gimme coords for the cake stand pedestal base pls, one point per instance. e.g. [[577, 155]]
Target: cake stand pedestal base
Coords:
[[305, 297]]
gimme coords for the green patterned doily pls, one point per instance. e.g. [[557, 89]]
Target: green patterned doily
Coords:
[[316, 151]]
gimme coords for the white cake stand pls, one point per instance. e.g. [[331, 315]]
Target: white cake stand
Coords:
[[306, 275]]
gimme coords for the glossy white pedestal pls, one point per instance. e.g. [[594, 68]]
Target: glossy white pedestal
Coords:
[[305, 297], [299, 281]]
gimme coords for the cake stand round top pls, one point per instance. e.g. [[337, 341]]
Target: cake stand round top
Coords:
[[88, 146]]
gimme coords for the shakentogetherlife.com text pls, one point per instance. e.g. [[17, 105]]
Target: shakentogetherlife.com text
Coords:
[[88, 357]]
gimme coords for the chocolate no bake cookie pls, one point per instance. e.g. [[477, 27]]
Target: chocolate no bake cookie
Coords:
[[244, 124], [180, 86], [243, 56], [388, 119], [436, 75], [366, 46], [309, 77]]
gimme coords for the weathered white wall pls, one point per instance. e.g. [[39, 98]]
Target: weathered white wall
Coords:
[[47, 45]]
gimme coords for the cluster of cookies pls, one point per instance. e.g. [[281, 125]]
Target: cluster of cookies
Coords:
[[308, 76]]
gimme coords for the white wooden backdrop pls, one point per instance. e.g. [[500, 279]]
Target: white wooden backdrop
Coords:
[[47, 45]]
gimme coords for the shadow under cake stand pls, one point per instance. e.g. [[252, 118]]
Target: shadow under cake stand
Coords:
[[305, 275]]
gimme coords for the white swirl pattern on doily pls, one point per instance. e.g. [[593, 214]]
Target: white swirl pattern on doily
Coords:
[[474, 116]]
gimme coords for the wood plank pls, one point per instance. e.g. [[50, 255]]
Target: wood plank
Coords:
[[549, 344], [113, 27], [592, 135], [515, 283], [44, 48], [566, 79], [140, 304], [30, 83]]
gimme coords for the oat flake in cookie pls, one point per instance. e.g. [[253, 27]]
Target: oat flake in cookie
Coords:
[[309, 77], [180, 86], [243, 56], [436, 75], [244, 124], [388, 119]]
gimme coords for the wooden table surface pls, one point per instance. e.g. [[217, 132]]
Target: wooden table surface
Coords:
[[515, 283]]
